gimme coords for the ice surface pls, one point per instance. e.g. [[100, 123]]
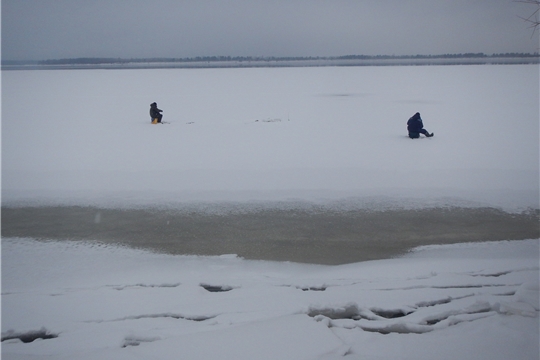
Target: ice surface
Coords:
[[466, 301], [252, 137], [81, 137]]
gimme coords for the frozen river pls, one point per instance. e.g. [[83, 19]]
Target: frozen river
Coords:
[[272, 163]]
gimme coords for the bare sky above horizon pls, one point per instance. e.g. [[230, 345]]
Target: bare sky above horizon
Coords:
[[53, 29]]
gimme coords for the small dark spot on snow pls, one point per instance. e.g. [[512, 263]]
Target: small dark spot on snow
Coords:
[[435, 321], [313, 288], [502, 273], [390, 314], [29, 336], [199, 318], [216, 288]]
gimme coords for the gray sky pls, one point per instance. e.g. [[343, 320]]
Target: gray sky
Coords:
[[52, 29]]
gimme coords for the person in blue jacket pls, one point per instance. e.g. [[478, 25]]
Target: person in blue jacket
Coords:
[[415, 126]]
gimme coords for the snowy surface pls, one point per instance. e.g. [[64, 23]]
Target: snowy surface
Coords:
[[464, 301], [305, 134], [84, 136]]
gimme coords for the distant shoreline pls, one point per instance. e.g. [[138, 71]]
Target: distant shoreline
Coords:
[[271, 63]]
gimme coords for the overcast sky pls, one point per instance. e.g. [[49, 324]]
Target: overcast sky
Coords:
[[53, 29]]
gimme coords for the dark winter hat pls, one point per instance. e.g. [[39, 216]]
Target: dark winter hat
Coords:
[[153, 104]]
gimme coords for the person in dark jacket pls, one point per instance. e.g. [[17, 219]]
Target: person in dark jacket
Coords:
[[415, 126], [155, 113]]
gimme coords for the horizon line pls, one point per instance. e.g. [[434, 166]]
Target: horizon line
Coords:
[[265, 58]]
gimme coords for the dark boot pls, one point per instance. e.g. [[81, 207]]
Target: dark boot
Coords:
[[430, 135]]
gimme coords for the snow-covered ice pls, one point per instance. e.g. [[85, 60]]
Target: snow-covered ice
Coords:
[[254, 136], [465, 301], [84, 136]]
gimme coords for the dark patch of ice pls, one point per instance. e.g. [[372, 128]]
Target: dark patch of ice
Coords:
[[29, 336], [313, 288], [216, 288], [335, 232], [391, 313]]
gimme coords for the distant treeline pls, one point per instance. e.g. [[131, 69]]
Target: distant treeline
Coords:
[[443, 56], [98, 61]]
